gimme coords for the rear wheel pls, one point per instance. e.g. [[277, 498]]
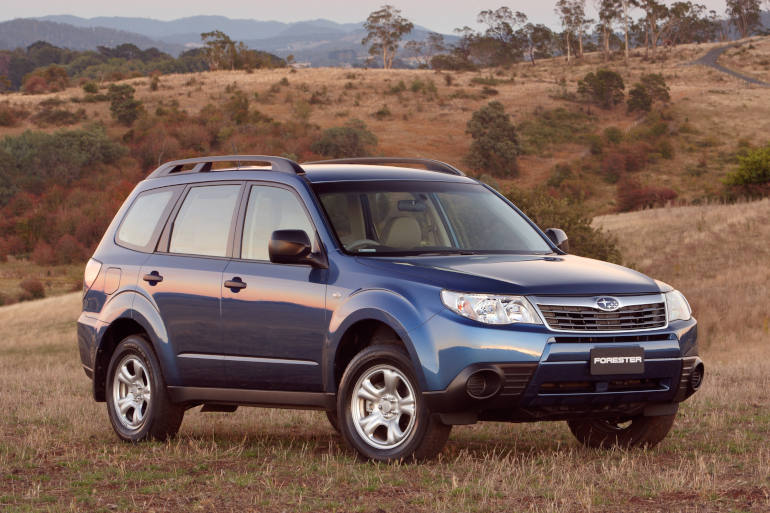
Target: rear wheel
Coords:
[[627, 433], [137, 400], [381, 412]]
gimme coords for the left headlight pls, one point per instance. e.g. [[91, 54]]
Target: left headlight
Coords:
[[491, 309], [677, 306]]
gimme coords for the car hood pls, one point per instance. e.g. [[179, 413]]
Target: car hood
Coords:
[[518, 274]]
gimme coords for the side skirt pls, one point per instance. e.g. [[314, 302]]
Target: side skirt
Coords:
[[240, 397]]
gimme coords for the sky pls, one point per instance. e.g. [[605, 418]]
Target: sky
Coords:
[[439, 15]]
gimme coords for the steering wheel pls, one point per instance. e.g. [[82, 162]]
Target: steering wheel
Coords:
[[361, 243]]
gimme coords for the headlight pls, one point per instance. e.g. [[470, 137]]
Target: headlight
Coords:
[[677, 306], [491, 309]]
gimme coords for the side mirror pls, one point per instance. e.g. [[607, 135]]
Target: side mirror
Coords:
[[293, 247], [559, 238]]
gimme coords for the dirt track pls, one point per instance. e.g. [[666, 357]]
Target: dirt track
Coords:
[[711, 59]]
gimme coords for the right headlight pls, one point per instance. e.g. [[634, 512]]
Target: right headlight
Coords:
[[677, 306], [491, 308]]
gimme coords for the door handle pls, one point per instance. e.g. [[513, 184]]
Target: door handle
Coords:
[[235, 284], [153, 278]]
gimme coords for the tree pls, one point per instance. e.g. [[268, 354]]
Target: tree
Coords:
[[385, 28], [626, 6], [573, 20], [424, 51], [220, 50], [124, 108], [539, 41], [745, 15], [603, 88], [656, 21], [495, 145], [609, 12]]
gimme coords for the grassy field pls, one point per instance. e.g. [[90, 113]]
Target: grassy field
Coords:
[[58, 453]]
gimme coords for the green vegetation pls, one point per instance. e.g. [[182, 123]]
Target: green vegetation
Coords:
[[495, 145], [753, 168], [555, 126], [351, 140], [651, 87], [123, 106], [603, 88], [549, 212]]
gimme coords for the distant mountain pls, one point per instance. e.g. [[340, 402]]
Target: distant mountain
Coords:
[[23, 32], [320, 42]]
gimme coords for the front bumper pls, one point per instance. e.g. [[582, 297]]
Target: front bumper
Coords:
[[556, 383]]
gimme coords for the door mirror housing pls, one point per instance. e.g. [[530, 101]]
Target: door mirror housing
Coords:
[[293, 247], [559, 238]]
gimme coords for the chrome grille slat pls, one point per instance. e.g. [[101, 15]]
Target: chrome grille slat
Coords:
[[580, 317]]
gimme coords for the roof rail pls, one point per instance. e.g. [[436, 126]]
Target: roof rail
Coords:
[[429, 164], [204, 164]]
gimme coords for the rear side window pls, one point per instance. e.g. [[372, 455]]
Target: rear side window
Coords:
[[202, 226], [140, 225]]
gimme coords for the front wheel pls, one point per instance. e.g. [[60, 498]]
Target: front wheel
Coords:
[[381, 412], [137, 400], [626, 433]]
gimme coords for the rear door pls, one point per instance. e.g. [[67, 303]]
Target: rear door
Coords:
[[184, 278], [273, 320]]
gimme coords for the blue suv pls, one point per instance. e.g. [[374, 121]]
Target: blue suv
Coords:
[[400, 301]]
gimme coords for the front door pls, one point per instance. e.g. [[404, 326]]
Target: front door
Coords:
[[273, 315]]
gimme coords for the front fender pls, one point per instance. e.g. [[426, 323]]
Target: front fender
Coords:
[[380, 305]]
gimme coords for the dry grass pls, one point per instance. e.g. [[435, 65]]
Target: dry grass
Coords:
[[717, 110], [57, 451], [752, 58]]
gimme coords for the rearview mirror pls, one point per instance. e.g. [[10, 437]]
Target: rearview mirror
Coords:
[[559, 238], [293, 247]]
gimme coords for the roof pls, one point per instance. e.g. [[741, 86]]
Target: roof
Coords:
[[318, 173]]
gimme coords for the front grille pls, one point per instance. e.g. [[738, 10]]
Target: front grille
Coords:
[[585, 318], [607, 339]]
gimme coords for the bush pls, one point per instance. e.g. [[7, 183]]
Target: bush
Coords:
[[50, 79], [613, 135], [11, 115], [237, 107], [753, 168], [555, 126], [33, 289], [495, 145], [639, 99], [632, 195], [58, 117], [124, 108], [351, 140], [90, 88], [656, 87], [382, 113], [559, 173], [549, 212], [603, 88]]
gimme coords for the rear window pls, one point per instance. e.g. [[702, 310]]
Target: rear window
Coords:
[[142, 221], [203, 224]]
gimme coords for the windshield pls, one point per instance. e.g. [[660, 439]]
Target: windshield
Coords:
[[413, 218]]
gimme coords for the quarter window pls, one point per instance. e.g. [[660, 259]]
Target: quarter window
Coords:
[[202, 226], [142, 219], [271, 209]]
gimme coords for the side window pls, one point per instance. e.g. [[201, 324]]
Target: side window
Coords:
[[202, 226], [142, 220], [270, 209]]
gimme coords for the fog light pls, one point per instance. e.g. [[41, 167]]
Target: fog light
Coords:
[[483, 384], [696, 378]]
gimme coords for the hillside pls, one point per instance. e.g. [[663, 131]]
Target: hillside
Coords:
[[715, 460], [710, 118]]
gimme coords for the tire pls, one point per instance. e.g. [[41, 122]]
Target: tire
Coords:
[[332, 417], [140, 388], [379, 384], [639, 432]]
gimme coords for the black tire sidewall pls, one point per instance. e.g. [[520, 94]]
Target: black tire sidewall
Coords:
[[366, 359], [137, 346]]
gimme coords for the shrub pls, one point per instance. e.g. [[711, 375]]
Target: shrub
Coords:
[[753, 168], [11, 115], [632, 195], [58, 117], [351, 140], [613, 135], [559, 173], [495, 145], [237, 107], [43, 254], [68, 250], [32, 288], [549, 212], [656, 87], [400, 87], [603, 88], [90, 88], [555, 126], [639, 99], [50, 79], [124, 108], [382, 113], [154, 82]]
